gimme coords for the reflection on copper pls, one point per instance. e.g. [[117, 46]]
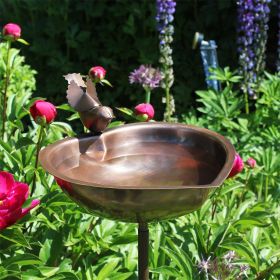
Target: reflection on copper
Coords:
[[141, 172]]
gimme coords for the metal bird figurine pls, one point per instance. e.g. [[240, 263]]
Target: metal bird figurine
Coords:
[[83, 98]]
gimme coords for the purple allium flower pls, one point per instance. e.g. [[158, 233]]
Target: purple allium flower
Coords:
[[244, 268], [253, 17], [204, 265], [146, 76], [229, 256], [164, 18]]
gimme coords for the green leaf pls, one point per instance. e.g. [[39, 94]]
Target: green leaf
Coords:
[[23, 142], [23, 259], [107, 269], [167, 271], [115, 124], [48, 271], [23, 41], [125, 111], [121, 276], [66, 107], [218, 236], [106, 82], [15, 235]]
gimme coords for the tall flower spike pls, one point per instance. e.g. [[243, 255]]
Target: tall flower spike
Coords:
[[164, 18], [253, 16]]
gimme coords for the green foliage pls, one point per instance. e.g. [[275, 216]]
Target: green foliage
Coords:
[[60, 240], [72, 36]]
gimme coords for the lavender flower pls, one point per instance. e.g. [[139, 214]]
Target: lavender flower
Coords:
[[253, 17], [164, 18], [146, 76]]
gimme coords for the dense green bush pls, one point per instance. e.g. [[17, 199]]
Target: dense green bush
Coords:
[[71, 36], [60, 240]]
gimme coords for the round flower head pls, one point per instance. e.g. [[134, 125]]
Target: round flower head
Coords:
[[237, 167], [43, 111], [97, 73], [12, 31], [251, 162], [146, 76], [146, 110]]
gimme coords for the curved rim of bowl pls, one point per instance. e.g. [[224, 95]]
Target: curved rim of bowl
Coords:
[[222, 175]]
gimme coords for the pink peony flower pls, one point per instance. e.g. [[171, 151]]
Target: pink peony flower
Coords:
[[237, 167], [12, 196], [43, 109], [12, 31], [251, 162], [146, 110], [63, 184], [97, 73]]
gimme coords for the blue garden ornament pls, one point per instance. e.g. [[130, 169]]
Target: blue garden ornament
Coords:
[[209, 58]]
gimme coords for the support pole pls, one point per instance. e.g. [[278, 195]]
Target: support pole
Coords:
[[143, 251]]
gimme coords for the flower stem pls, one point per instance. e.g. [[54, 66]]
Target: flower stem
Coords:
[[266, 188], [38, 147], [167, 93], [148, 95], [213, 212], [248, 173], [246, 102], [7, 81]]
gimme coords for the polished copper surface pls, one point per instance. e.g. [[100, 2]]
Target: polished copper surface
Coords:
[[141, 172]]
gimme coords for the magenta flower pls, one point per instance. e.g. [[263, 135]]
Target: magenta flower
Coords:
[[251, 162], [12, 197], [12, 31], [146, 110], [237, 167]]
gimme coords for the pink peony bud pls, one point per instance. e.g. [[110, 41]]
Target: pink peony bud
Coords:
[[237, 167], [97, 73], [12, 31], [12, 197], [43, 110], [146, 110], [251, 162]]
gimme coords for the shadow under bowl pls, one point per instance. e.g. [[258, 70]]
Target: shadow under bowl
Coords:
[[141, 172]]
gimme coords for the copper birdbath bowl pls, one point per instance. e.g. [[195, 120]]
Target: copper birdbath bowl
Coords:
[[141, 173]]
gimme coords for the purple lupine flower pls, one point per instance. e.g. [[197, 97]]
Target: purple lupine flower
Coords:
[[253, 17], [164, 18], [146, 76]]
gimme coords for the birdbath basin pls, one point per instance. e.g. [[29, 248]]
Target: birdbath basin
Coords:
[[141, 172]]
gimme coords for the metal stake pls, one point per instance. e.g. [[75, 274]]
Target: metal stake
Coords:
[[143, 251]]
